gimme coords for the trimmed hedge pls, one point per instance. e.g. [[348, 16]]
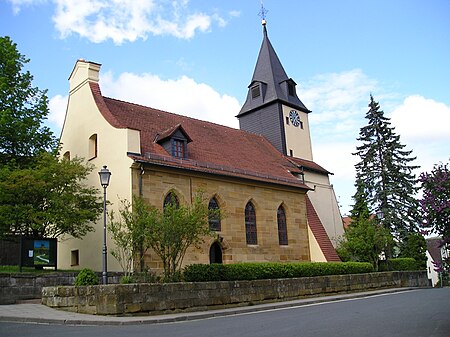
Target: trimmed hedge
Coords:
[[399, 264], [270, 270]]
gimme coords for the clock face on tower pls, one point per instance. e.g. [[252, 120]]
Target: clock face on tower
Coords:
[[294, 117]]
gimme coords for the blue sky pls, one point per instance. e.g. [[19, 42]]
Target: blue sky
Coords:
[[338, 52]]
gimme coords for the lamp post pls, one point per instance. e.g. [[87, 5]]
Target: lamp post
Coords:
[[104, 181]]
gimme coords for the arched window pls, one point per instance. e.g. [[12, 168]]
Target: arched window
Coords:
[[282, 227], [66, 155], [93, 146], [214, 217], [171, 199], [250, 224]]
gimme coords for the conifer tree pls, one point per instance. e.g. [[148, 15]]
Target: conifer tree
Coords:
[[386, 171]]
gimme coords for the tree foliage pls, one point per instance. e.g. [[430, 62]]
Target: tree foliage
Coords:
[[48, 199], [39, 194], [365, 239], [414, 246], [168, 232], [128, 232], [172, 231], [386, 172], [435, 202], [23, 108]]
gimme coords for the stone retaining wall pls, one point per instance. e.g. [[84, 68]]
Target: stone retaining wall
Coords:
[[171, 297], [24, 286]]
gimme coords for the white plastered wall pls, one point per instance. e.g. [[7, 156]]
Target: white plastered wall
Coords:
[[314, 248], [325, 203], [297, 139], [83, 119]]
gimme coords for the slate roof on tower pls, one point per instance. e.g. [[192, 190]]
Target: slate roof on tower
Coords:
[[270, 74], [211, 148]]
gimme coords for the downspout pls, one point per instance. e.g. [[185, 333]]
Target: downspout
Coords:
[[141, 193]]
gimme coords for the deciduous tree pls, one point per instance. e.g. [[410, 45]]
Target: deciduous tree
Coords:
[[23, 108], [435, 201], [48, 199], [365, 239], [168, 232], [128, 231]]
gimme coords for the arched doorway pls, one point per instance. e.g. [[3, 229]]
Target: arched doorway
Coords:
[[215, 253]]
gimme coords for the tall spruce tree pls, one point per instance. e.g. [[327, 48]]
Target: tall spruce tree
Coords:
[[386, 171]]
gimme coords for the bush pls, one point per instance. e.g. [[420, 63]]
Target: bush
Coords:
[[86, 277], [259, 271], [127, 279], [399, 264]]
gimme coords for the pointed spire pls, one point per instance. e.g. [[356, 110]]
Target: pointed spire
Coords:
[[270, 78], [262, 13]]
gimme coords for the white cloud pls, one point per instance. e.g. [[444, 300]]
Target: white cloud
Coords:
[[336, 157], [422, 124], [127, 20], [182, 96], [338, 102], [18, 4], [420, 118], [57, 106]]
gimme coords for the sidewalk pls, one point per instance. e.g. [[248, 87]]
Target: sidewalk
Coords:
[[38, 313]]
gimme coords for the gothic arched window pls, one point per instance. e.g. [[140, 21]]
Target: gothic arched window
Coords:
[[250, 224], [213, 217], [171, 199], [282, 227]]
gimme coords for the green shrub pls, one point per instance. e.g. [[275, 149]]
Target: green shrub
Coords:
[[270, 270], [127, 279], [399, 264], [86, 277]]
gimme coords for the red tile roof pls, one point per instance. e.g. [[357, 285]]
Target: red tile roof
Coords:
[[320, 234], [214, 148], [434, 248], [308, 165], [346, 220]]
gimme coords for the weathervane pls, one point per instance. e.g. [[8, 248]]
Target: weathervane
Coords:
[[262, 13]]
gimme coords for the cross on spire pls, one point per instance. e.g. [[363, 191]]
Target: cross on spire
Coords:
[[262, 13]]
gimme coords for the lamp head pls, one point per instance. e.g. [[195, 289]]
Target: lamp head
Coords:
[[104, 176]]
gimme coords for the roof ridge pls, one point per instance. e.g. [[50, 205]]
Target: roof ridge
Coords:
[[172, 113]]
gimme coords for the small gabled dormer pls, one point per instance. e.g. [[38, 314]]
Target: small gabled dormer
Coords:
[[175, 141], [288, 87]]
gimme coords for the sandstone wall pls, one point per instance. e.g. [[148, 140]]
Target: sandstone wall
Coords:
[[173, 297]]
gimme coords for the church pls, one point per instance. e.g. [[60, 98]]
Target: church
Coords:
[[279, 203]]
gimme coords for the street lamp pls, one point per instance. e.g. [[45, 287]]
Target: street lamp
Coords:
[[104, 181]]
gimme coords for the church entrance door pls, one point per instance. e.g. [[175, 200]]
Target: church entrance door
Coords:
[[215, 253]]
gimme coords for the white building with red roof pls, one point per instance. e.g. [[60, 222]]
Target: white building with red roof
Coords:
[[279, 203]]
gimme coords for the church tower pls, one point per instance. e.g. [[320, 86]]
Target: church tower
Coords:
[[273, 109]]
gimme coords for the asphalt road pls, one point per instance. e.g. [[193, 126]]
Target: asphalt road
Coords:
[[422, 312]]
